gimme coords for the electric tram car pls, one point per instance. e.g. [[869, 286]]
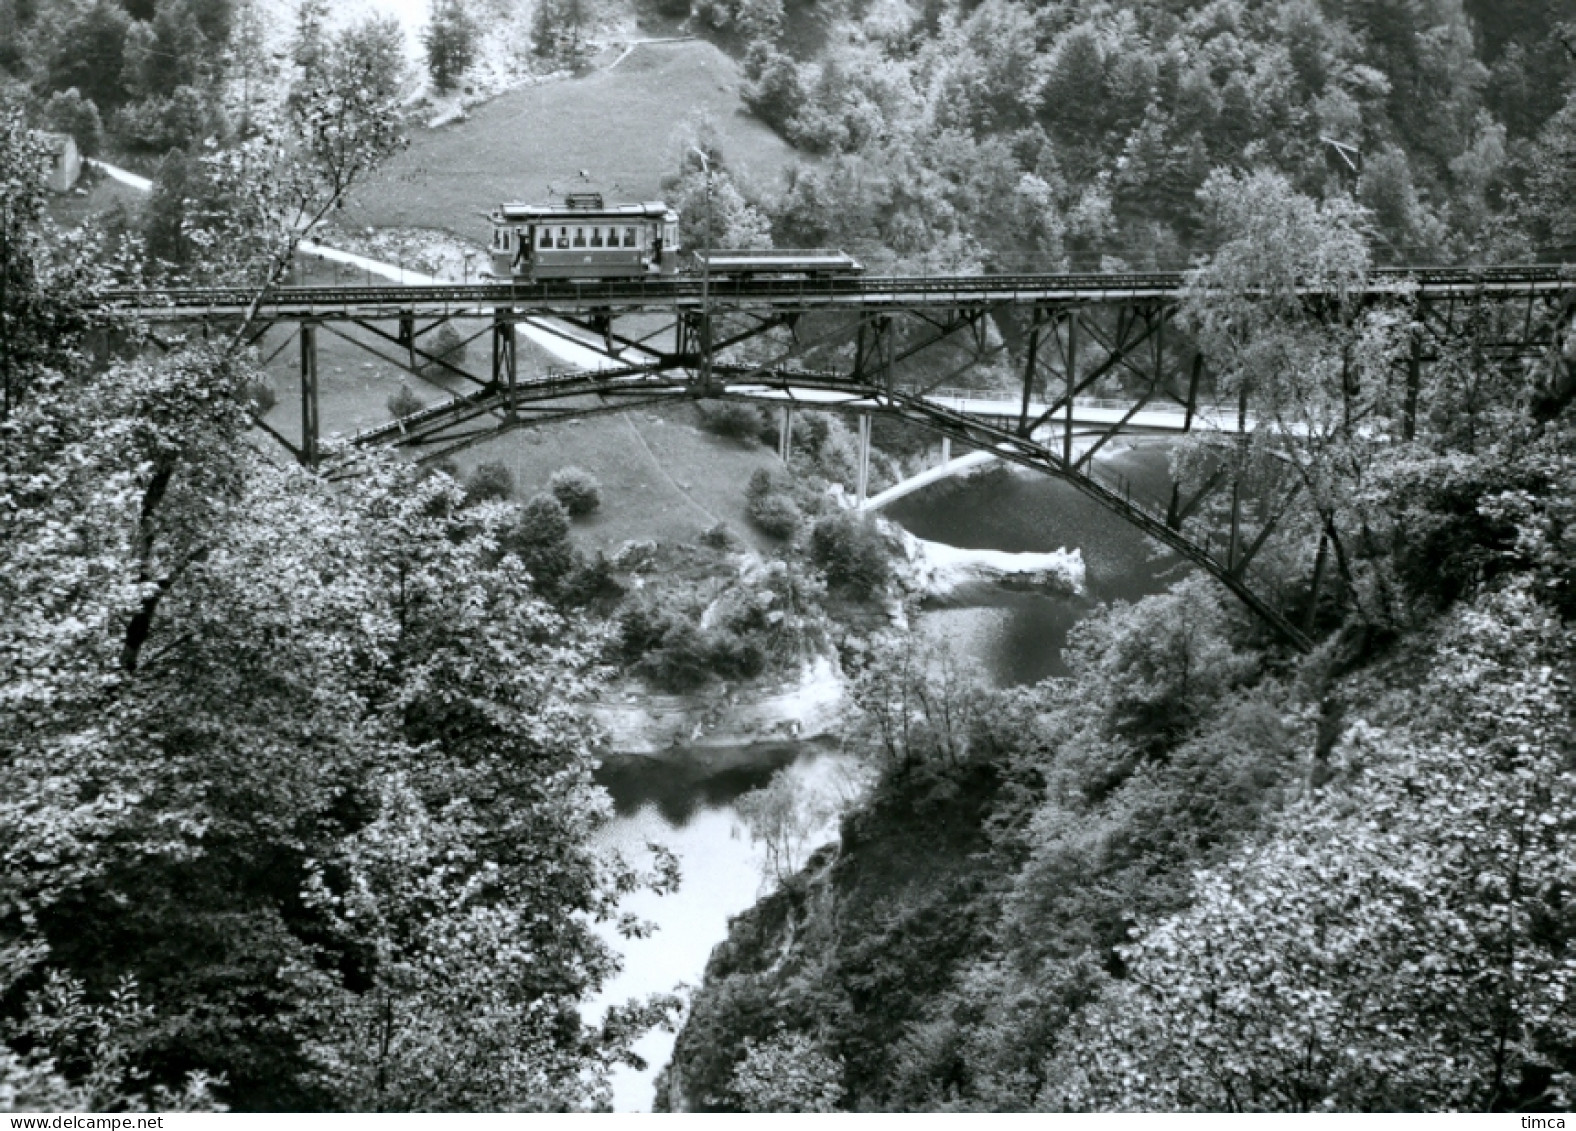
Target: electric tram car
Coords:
[[584, 238]]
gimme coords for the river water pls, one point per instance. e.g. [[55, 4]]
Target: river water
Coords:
[[686, 800]]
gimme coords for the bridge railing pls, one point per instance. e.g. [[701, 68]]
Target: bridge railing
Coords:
[[200, 302]]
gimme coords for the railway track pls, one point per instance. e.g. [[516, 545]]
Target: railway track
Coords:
[[906, 292]]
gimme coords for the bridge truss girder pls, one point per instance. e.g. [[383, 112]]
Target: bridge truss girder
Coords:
[[1047, 357]]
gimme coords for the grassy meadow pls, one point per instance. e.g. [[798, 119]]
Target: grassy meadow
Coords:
[[662, 476], [622, 126]]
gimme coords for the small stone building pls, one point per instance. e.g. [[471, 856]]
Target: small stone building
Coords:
[[65, 162]]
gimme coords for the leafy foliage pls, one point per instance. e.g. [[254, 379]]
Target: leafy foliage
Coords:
[[766, 619], [71, 114], [577, 489], [450, 42], [489, 482], [787, 1073], [776, 514], [539, 535], [852, 553], [737, 420], [301, 760], [447, 349], [1399, 942], [45, 300], [404, 402], [558, 31], [782, 816]]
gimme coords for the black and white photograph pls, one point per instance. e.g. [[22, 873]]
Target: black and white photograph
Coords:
[[787, 556]]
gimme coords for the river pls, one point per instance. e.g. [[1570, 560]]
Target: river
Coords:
[[686, 799]]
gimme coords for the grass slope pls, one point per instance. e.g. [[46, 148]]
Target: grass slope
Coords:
[[621, 125], [663, 478]]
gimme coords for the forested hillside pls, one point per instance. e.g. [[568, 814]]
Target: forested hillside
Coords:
[[296, 808], [1011, 136], [1204, 872]]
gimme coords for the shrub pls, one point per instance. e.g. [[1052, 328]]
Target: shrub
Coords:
[[540, 539], [543, 521], [851, 552], [832, 449], [446, 345], [490, 481], [259, 397], [577, 489], [640, 630], [733, 419], [446, 465], [404, 403], [775, 89], [776, 515], [761, 483], [733, 656], [683, 662], [69, 113], [371, 54], [159, 123], [592, 585], [558, 31], [719, 537]]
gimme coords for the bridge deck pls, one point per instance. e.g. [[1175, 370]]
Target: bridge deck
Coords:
[[381, 301]]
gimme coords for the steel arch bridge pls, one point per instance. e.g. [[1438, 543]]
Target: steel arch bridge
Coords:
[[1059, 365]]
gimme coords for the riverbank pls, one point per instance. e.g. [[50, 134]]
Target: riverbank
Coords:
[[813, 702], [811, 705]]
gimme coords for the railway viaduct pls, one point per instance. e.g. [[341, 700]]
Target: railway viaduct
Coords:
[[1058, 366]]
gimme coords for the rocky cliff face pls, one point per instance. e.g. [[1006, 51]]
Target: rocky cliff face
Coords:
[[845, 954]]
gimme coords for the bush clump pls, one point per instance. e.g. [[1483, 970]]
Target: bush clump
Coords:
[[446, 346], [776, 515], [540, 538], [852, 554], [667, 646], [404, 403], [771, 510], [70, 113], [490, 482], [577, 489], [259, 397], [733, 419]]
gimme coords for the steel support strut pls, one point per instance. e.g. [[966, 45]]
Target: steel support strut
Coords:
[[1414, 382], [1036, 327], [504, 362], [309, 421], [863, 485], [785, 434], [1072, 386]]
